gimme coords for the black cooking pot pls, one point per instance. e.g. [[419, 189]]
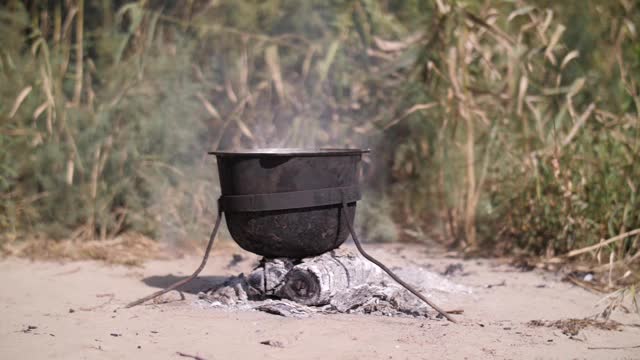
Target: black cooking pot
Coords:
[[286, 202]]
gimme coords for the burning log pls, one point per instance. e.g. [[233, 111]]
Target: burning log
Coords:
[[313, 281]]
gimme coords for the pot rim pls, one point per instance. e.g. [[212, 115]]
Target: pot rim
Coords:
[[290, 152]]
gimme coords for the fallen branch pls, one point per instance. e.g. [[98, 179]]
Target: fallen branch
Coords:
[[612, 347], [603, 243]]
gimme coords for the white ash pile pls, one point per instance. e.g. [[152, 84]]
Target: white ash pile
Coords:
[[334, 282]]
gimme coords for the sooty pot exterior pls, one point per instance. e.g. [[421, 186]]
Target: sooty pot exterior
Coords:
[[295, 232]]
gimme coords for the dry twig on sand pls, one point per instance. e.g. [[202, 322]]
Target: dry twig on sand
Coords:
[[196, 357], [612, 347]]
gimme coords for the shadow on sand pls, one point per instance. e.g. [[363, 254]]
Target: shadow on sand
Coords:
[[201, 283]]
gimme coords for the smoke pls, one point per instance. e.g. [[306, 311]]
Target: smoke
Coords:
[[293, 81]]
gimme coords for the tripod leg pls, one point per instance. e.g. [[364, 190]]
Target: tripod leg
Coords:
[[388, 271], [190, 278]]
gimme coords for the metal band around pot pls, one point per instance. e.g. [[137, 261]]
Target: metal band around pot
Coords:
[[290, 200]]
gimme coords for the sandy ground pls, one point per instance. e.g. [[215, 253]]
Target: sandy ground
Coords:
[[74, 311]]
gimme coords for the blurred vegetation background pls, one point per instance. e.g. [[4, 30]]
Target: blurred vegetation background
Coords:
[[501, 126]]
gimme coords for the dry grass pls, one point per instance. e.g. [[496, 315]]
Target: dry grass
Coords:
[[572, 327], [126, 249]]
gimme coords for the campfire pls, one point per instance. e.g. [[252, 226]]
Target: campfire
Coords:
[[295, 207]]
